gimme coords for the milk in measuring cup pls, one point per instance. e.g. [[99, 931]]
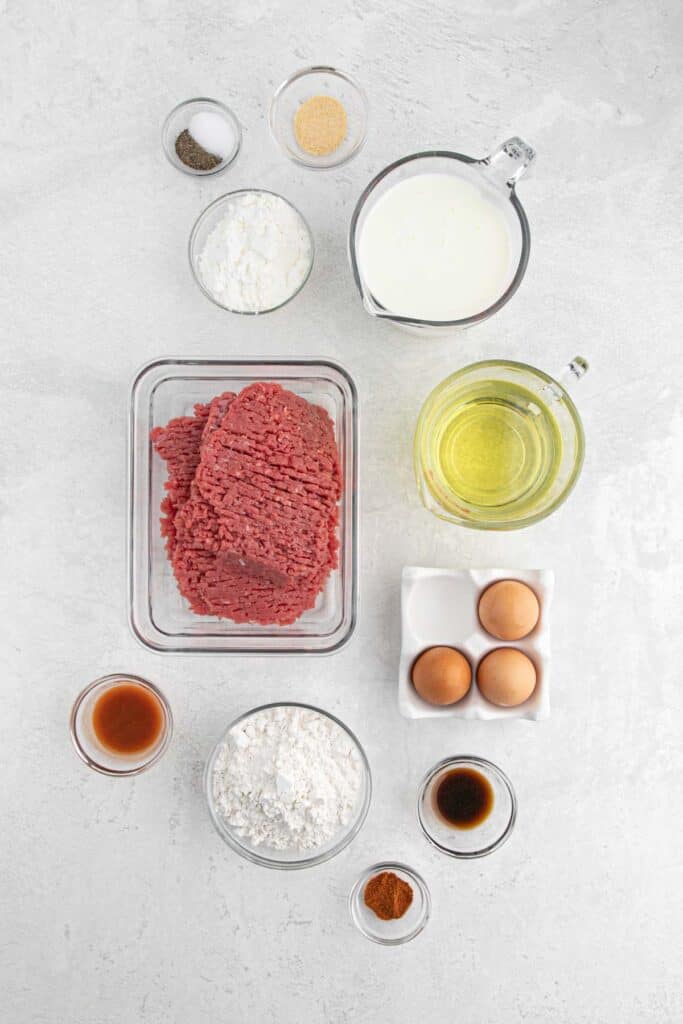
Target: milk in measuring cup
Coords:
[[436, 247]]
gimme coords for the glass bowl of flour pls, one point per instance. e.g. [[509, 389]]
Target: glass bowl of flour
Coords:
[[251, 251], [288, 786]]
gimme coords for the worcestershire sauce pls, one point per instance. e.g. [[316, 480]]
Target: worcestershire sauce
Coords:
[[127, 719], [464, 798]]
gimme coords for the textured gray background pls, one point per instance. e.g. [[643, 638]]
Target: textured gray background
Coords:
[[118, 903]]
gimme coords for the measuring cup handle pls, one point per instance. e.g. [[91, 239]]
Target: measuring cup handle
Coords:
[[507, 164], [573, 371]]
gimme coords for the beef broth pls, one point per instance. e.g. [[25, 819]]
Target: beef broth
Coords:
[[127, 719]]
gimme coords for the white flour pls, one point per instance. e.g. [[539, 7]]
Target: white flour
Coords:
[[257, 255], [288, 778]]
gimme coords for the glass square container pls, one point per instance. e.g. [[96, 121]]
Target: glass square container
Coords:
[[159, 616]]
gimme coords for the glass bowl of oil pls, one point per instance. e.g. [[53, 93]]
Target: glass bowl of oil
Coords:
[[498, 445]]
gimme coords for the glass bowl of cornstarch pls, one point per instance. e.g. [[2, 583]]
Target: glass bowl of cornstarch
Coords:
[[251, 251], [288, 786]]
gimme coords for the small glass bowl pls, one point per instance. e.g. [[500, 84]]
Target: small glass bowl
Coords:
[[204, 225], [302, 86], [88, 747], [281, 859], [179, 119], [467, 843], [403, 929]]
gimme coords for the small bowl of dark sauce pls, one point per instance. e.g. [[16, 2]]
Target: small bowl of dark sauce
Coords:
[[466, 806], [121, 724]]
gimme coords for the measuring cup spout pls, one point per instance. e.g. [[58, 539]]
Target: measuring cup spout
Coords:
[[369, 303], [506, 165]]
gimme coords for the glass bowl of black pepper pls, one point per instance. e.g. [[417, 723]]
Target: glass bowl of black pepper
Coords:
[[466, 807], [219, 137]]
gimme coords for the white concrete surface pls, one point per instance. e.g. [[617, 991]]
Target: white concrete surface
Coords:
[[118, 903]]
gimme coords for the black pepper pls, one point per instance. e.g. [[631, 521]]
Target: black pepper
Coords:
[[193, 155]]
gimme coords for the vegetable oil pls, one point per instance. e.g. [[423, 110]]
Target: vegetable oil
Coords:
[[492, 444]]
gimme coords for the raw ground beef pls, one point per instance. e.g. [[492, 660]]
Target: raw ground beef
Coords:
[[178, 444], [250, 515]]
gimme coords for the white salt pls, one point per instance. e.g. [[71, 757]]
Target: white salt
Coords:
[[213, 133]]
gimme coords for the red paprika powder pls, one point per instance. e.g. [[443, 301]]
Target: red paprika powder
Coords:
[[388, 895]]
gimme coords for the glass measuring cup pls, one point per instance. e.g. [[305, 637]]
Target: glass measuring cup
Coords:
[[499, 445], [494, 176]]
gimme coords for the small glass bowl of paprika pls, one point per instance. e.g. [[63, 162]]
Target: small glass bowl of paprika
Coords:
[[390, 903]]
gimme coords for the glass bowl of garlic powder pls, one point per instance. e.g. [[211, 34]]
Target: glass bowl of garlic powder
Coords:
[[319, 117]]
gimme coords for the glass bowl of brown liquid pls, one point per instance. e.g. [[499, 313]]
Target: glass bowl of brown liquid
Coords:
[[121, 725], [466, 806]]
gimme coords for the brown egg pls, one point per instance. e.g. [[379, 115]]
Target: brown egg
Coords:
[[506, 677], [442, 675], [508, 610]]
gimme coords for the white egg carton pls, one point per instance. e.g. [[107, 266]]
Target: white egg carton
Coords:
[[439, 607]]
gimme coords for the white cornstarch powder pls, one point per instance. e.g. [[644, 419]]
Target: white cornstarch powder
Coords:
[[287, 778], [257, 255]]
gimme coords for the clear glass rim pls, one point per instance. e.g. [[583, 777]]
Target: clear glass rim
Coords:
[[534, 517], [178, 164], [356, 895], [466, 321], [114, 678], [302, 862], [204, 216], [282, 88], [487, 767]]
